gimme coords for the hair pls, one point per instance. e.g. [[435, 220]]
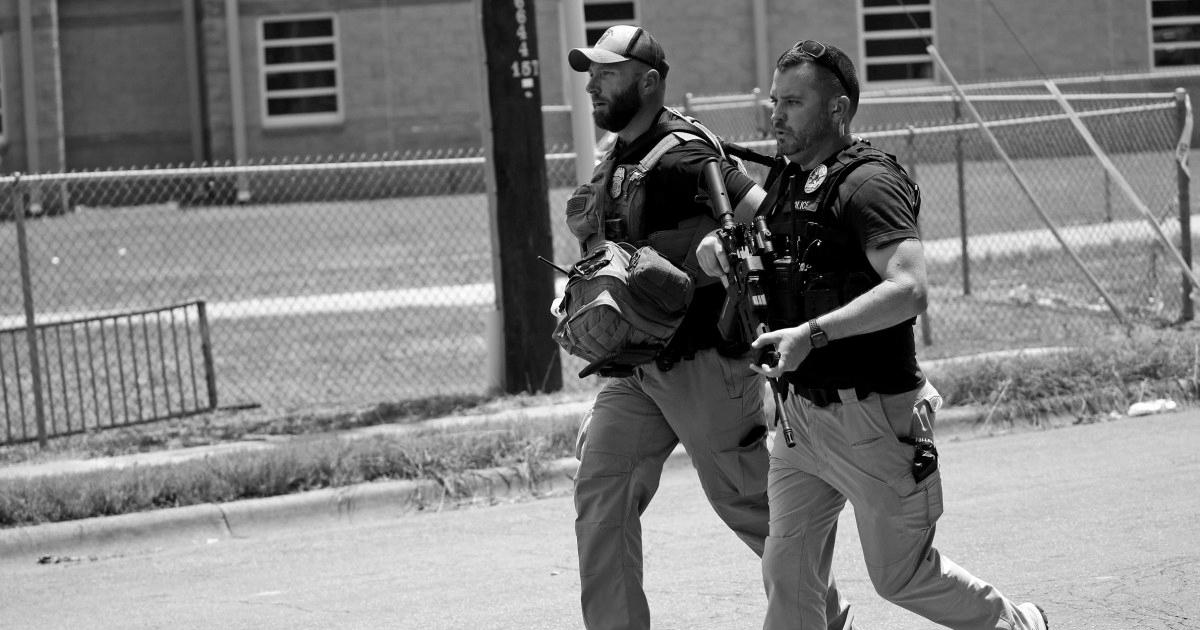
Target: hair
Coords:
[[828, 79]]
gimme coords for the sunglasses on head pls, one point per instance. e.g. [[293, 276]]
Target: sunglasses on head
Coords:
[[816, 51]]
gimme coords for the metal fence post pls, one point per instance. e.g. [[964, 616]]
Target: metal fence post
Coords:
[[960, 173], [1108, 204], [210, 374], [1183, 179], [18, 205]]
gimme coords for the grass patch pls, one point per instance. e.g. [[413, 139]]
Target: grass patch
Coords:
[[295, 466], [218, 427], [1087, 383]]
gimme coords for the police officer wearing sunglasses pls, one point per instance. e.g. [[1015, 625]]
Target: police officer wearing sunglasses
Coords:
[[848, 282]]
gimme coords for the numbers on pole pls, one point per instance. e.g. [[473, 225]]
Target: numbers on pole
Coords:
[[526, 68], [523, 69]]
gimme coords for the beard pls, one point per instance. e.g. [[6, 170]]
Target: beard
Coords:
[[796, 141], [622, 107]]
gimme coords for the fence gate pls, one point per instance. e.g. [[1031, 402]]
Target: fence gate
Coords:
[[106, 371]]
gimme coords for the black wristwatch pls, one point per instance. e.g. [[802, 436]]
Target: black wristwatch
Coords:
[[816, 334]]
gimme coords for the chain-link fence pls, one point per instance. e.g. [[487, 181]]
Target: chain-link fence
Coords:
[[366, 279], [999, 276]]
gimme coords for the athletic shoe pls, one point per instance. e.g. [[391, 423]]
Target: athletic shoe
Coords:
[[1036, 613]]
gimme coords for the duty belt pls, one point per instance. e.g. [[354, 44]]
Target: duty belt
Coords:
[[825, 396]]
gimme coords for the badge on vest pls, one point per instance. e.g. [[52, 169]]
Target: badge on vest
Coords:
[[805, 206], [618, 180], [815, 179]]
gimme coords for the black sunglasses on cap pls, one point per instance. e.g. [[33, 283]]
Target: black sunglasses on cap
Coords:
[[816, 50]]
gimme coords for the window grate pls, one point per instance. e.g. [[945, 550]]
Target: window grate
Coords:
[[300, 72]]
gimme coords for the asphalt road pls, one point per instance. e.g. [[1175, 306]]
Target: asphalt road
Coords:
[[1100, 524]]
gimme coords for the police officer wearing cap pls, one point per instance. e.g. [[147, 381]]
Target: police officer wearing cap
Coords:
[[847, 283], [700, 391]]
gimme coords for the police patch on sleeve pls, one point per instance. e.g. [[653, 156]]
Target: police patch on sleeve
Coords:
[[815, 179]]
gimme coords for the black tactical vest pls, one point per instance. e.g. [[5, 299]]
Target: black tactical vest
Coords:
[[820, 264]]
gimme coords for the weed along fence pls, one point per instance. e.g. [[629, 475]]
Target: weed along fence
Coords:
[[61, 378], [357, 280]]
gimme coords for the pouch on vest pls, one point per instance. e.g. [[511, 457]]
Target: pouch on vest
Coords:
[[620, 308], [584, 211]]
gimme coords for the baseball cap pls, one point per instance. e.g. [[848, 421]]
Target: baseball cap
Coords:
[[621, 43]]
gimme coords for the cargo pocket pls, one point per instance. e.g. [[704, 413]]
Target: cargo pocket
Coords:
[[740, 460], [741, 471], [921, 507]]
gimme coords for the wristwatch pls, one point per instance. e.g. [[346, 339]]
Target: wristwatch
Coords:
[[816, 334]]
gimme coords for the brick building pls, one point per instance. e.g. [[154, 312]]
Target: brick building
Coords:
[[92, 84]]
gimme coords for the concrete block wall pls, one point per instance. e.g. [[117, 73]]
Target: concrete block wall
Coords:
[[214, 62], [121, 105], [48, 91], [1065, 37]]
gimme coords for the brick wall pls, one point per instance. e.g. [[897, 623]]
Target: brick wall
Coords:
[[48, 96], [411, 69], [1065, 37]]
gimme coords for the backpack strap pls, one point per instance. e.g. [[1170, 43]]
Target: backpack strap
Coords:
[[668, 142]]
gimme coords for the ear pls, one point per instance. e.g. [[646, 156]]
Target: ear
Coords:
[[651, 81], [839, 108]]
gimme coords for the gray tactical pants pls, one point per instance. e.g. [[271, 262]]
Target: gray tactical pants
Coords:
[[852, 450], [713, 405]]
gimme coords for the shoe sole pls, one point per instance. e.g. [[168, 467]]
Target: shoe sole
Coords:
[[1045, 619]]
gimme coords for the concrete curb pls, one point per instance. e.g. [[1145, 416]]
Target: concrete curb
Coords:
[[212, 522]]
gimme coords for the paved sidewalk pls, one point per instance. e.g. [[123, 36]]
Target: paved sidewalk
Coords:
[[1096, 522]]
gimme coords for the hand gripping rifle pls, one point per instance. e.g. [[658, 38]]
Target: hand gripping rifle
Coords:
[[751, 254]]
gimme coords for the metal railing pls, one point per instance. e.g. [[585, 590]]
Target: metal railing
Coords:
[[106, 371]]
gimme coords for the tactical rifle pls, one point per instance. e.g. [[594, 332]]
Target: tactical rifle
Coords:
[[750, 254]]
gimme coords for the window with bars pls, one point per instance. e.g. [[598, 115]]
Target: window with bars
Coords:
[[598, 15], [895, 34], [299, 71], [1174, 33]]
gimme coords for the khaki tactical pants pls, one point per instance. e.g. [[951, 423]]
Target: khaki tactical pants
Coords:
[[713, 405], [851, 450]]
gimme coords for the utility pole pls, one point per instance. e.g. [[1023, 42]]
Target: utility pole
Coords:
[[515, 161]]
